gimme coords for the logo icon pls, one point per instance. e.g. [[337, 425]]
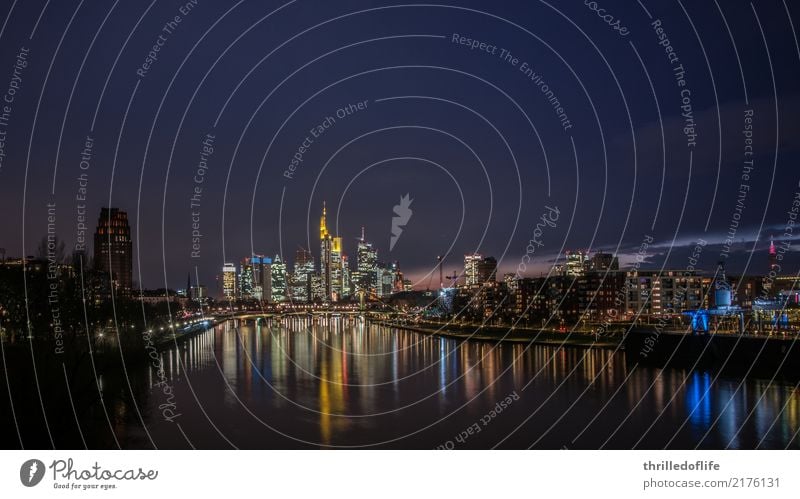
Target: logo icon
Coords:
[[403, 214], [31, 472]]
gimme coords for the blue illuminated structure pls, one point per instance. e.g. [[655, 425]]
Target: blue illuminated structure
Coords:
[[723, 298]]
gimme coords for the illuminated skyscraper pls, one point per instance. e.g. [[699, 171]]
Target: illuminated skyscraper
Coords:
[[773, 256], [302, 277], [229, 281], [317, 290], [246, 279], [487, 270], [113, 248], [332, 262], [471, 263], [576, 263], [279, 288], [347, 285], [326, 246], [398, 278], [336, 269], [386, 277], [366, 266], [262, 277]]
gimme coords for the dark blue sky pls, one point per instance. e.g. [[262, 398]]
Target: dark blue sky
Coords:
[[470, 136]]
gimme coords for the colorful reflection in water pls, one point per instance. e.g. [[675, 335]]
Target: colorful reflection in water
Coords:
[[341, 382]]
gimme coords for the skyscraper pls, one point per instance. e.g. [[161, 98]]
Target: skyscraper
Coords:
[[326, 246], [332, 261], [279, 288], [302, 277], [246, 279], [576, 263], [487, 270], [262, 277], [366, 266], [347, 285], [603, 261], [386, 279], [471, 268], [336, 270], [773, 256], [113, 249], [229, 288]]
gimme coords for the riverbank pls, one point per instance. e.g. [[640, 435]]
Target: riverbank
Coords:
[[512, 335], [756, 355]]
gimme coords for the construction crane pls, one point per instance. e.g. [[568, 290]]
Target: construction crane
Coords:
[[453, 278]]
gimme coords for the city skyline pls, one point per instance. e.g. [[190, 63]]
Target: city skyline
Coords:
[[111, 217], [370, 224], [632, 181]]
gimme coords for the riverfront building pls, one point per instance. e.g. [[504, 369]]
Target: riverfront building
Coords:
[[113, 249]]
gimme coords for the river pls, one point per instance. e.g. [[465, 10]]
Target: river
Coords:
[[342, 383]]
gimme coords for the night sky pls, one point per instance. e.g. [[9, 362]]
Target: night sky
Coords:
[[474, 140]]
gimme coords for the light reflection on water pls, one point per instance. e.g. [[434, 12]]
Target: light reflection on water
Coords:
[[340, 382]]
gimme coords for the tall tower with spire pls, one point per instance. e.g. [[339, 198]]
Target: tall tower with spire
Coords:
[[326, 247], [773, 256]]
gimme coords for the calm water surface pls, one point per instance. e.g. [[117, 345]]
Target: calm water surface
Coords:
[[300, 383]]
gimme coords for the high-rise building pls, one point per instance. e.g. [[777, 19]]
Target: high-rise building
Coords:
[[229, 288], [113, 248], [576, 263], [479, 270], [347, 284], [302, 278], [366, 267], [398, 278], [385, 281], [601, 262], [326, 248], [262, 277], [487, 270], [317, 289], [663, 292], [511, 280], [471, 263], [336, 266], [246, 280], [773, 257], [197, 293], [279, 282]]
